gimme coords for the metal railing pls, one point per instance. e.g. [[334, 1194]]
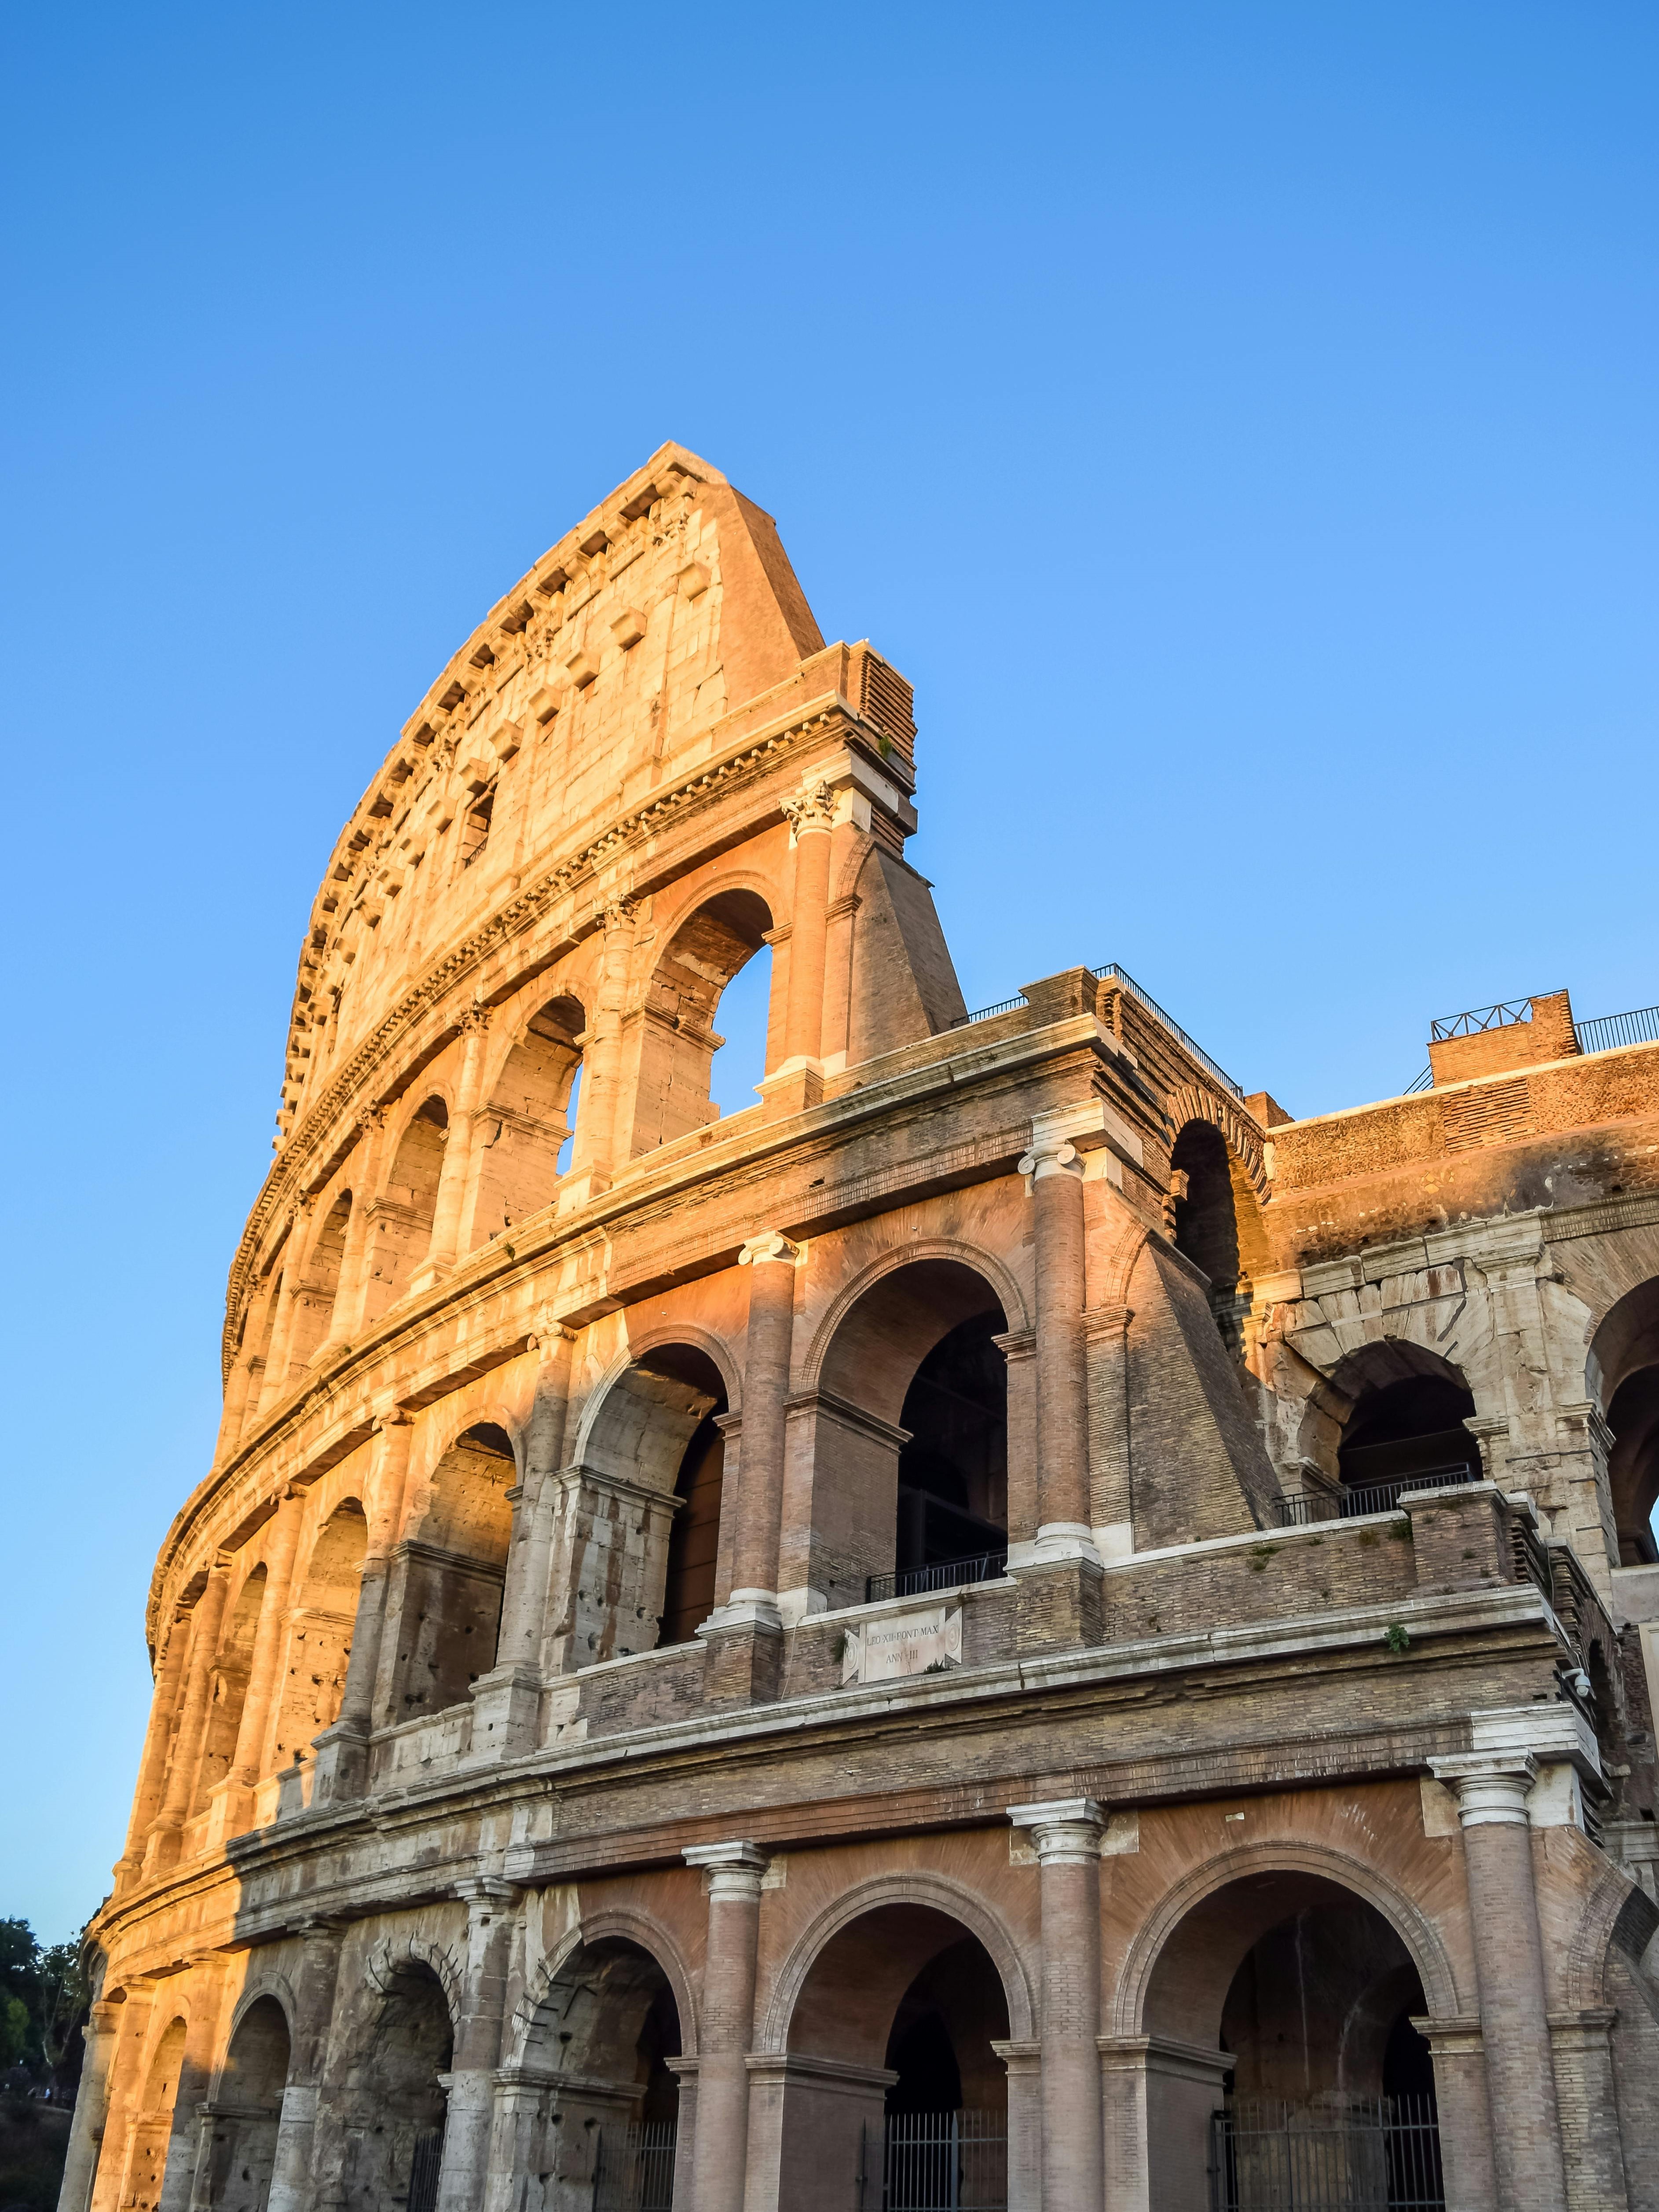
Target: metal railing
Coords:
[[634, 2167], [1479, 1019], [937, 2162], [1347, 1505], [1112, 973], [1423, 1082], [985, 1013], [427, 2166], [1606, 1032], [1340, 2154], [943, 1575]]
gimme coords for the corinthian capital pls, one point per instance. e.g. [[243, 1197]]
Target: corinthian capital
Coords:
[[768, 1246], [812, 807]]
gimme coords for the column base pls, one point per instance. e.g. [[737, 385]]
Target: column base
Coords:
[[506, 1708], [742, 1662], [1060, 1604], [340, 1769], [230, 1812], [792, 1090]]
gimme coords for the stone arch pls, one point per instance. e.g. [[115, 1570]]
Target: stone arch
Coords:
[[1188, 1103], [393, 2100], [1009, 1296], [157, 2139], [1217, 1873], [391, 1954], [1618, 1920], [1621, 1376], [448, 1572], [720, 931], [405, 1208], [519, 1134], [938, 1893], [317, 1282], [233, 1664], [716, 1348], [266, 1983], [909, 1425], [322, 1619], [650, 1464], [627, 1923], [1406, 1405], [238, 2152]]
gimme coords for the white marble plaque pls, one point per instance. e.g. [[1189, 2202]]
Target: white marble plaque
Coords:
[[900, 1644]]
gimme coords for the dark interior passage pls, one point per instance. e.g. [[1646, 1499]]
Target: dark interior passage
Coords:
[[953, 1473], [694, 1540], [1413, 1426]]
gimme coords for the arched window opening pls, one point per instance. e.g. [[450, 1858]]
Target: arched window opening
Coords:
[[903, 1989], [232, 1667], [745, 1015], [1330, 2098], [154, 2144], [396, 2102], [649, 1505], [243, 2116], [953, 1470], [447, 1576], [680, 1040], [320, 1627], [314, 1303], [474, 826], [1624, 1379], [910, 1439], [402, 1215], [521, 1136], [601, 2105], [1405, 1427], [1217, 1225]]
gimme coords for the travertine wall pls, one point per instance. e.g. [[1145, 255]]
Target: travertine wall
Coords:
[[425, 1794]]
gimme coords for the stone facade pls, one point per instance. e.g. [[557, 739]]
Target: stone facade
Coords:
[[1007, 1588]]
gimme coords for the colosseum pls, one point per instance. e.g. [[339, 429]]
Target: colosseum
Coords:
[[1009, 1626]]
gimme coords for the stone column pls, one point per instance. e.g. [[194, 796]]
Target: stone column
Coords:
[[1463, 2112], [291, 2181], [274, 1377], [162, 1847], [342, 1750], [153, 1768], [352, 1289], [1060, 1578], [125, 2079], [1509, 1959], [743, 1638], [507, 1701], [1066, 1833], [458, 1155], [1588, 2097], [733, 1879], [477, 2045], [247, 1762], [592, 1152], [1025, 2064], [811, 815], [100, 2036]]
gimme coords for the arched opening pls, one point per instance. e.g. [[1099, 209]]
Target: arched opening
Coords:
[[232, 1666], [679, 1040], [647, 1512], [908, 2007], [1217, 1225], [1624, 1380], [596, 2119], [1322, 2090], [1406, 1425], [519, 1139], [159, 2111], [320, 1626], [448, 1573], [313, 1303], [247, 2106], [742, 1055], [403, 1215], [910, 1450], [394, 2151]]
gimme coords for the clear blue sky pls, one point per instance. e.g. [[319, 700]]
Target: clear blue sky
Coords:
[[1239, 421]]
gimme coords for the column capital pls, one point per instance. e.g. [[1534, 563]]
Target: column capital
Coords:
[[734, 1870], [769, 1244], [483, 1893], [1060, 1136], [621, 912], [1491, 1786], [1067, 1831], [812, 807]]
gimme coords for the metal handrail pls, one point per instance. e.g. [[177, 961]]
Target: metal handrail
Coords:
[[944, 1574], [1111, 972], [1606, 1032], [1479, 1019], [1370, 1498]]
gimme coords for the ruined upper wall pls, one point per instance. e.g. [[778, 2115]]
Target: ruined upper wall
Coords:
[[610, 667]]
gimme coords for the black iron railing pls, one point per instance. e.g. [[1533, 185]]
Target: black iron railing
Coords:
[[943, 1575], [1341, 2154], [936, 2162], [1606, 1032], [1111, 972], [1480, 1019], [427, 2166], [1371, 1497], [634, 2167]]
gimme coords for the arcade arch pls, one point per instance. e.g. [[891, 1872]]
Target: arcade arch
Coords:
[[241, 2148], [593, 2098], [395, 2104], [1622, 1377], [1217, 1225], [448, 1573], [233, 1665], [1408, 1409], [160, 2109], [320, 1626], [522, 1133], [679, 1040], [910, 1432], [402, 1217], [319, 1285]]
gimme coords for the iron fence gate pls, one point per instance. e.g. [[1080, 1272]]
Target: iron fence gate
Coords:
[[936, 2162], [634, 2167], [423, 2173], [1347, 2154]]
